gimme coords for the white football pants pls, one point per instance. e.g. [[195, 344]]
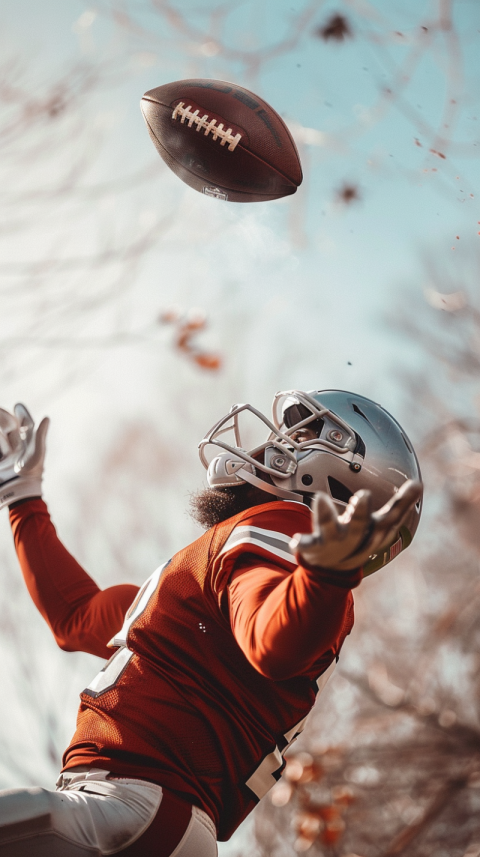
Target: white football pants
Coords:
[[91, 815]]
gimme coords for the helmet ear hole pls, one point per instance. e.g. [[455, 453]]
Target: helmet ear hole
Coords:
[[338, 490]]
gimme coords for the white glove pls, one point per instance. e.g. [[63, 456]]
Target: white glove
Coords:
[[345, 542], [22, 452]]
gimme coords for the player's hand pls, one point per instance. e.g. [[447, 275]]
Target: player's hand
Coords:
[[345, 542], [22, 453]]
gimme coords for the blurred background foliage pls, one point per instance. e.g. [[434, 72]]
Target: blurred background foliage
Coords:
[[135, 311]]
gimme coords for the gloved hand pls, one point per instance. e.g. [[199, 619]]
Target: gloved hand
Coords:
[[22, 452], [345, 542]]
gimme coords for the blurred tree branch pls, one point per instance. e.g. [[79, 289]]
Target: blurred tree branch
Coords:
[[410, 748]]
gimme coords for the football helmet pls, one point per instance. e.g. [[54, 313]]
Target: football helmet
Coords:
[[348, 443]]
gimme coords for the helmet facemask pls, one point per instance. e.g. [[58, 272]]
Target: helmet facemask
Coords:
[[356, 444], [276, 464]]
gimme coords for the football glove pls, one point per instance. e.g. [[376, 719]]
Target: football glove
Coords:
[[22, 452], [345, 542]]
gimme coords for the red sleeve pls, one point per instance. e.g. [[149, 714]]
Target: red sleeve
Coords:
[[284, 621], [80, 615]]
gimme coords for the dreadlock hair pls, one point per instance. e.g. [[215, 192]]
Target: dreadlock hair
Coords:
[[213, 505]]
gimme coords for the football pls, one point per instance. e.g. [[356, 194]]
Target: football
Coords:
[[222, 140]]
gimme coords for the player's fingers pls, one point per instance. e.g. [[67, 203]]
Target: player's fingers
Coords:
[[358, 508], [393, 515], [385, 524], [324, 517], [40, 443], [42, 432], [8, 422], [325, 527], [24, 416], [303, 543], [408, 494], [356, 521], [9, 435], [401, 502]]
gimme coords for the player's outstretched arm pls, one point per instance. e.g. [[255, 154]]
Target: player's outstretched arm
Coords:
[[286, 622], [80, 615], [345, 542]]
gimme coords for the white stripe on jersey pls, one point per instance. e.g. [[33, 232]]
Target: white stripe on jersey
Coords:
[[269, 540], [322, 680]]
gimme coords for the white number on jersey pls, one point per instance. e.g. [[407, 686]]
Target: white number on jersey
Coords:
[[116, 666], [271, 767]]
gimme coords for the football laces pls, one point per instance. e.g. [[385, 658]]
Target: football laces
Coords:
[[207, 125]]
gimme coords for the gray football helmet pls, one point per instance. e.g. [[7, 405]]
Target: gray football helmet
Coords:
[[352, 443]]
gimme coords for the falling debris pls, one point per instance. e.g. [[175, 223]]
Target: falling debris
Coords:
[[188, 325], [348, 193], [438, 154], [336, 29]]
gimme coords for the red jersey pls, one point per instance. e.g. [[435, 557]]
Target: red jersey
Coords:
[[219, 660]]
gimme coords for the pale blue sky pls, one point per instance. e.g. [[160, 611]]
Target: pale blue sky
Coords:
[[355, 262]]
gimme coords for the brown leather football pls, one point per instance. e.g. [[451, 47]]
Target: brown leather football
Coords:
[[222, 140]]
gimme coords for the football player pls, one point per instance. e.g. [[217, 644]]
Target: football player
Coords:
[[216, 661]]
